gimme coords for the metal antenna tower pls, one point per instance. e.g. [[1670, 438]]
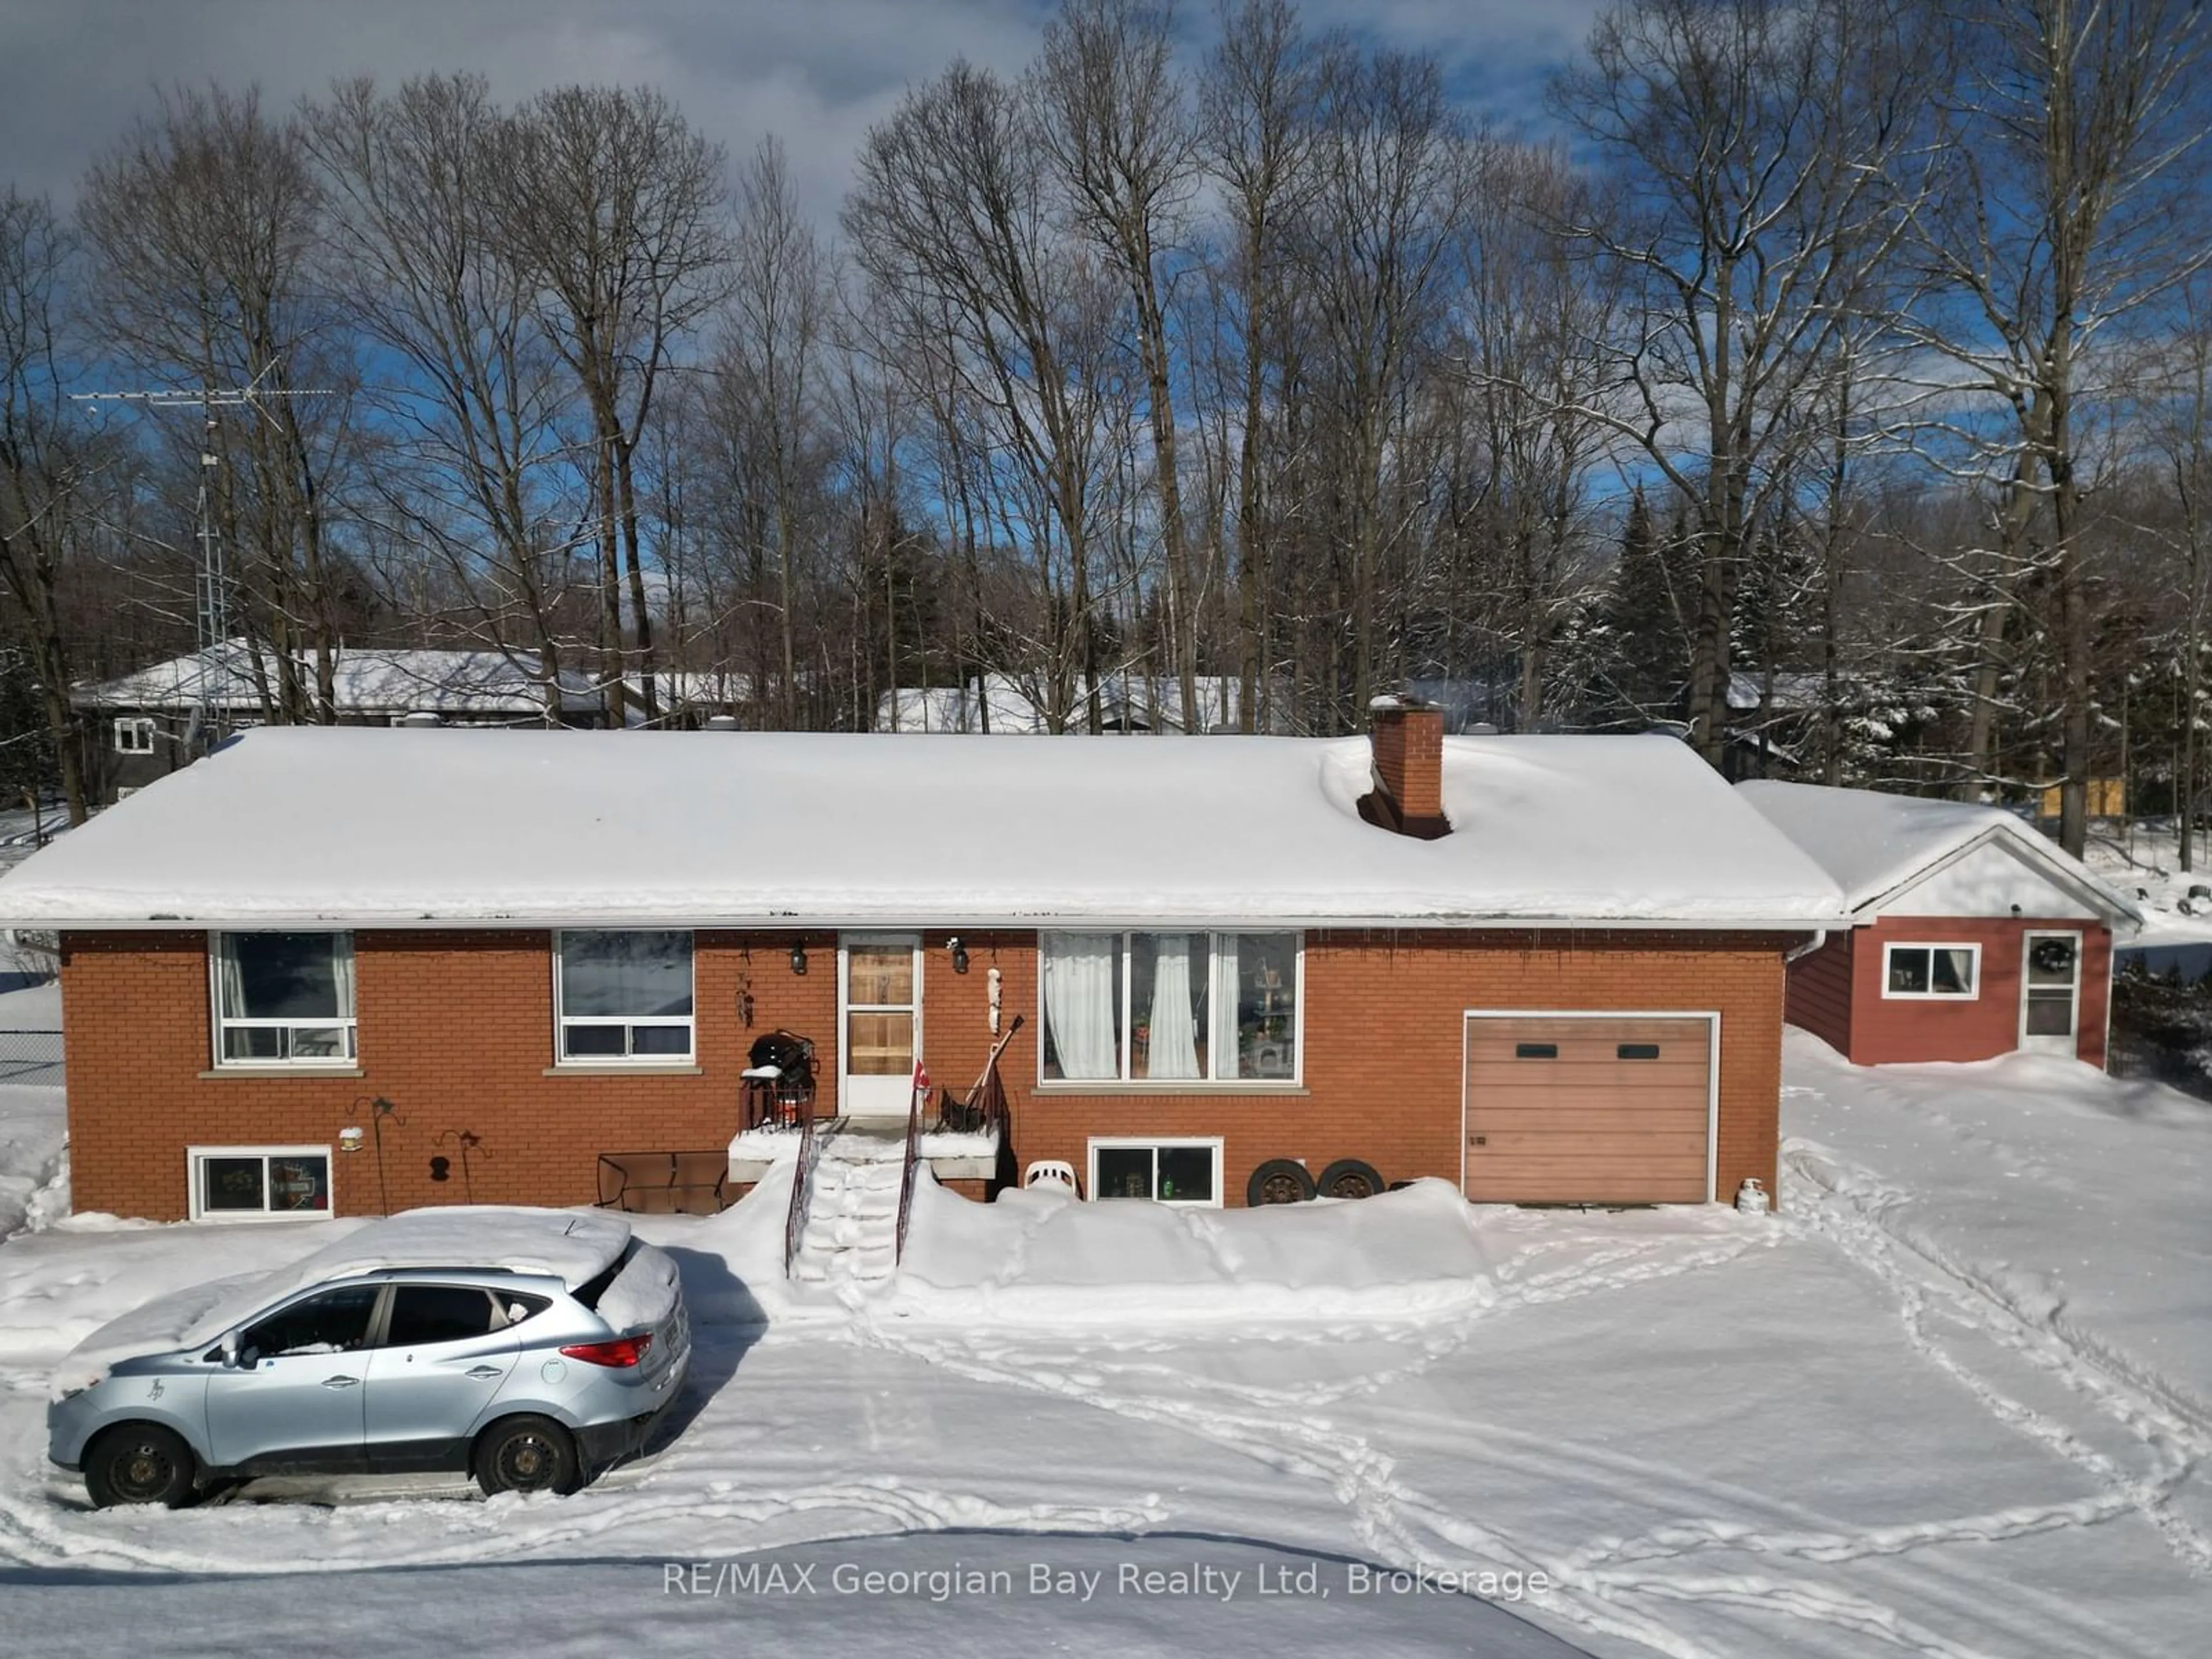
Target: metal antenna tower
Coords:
[[212, 608]]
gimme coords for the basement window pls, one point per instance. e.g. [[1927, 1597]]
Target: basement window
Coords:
[[1932, 972], [1176, 1010], [283, 999], [623, 998], [1166, 1172], [250, 1183]]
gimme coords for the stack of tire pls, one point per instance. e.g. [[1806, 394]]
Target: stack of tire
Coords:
[[1286, 1181]]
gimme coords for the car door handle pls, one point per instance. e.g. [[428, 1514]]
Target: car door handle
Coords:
[[485, 1373], [340, 1381]]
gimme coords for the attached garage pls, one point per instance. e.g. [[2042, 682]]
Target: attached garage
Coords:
[[1589, 1108]]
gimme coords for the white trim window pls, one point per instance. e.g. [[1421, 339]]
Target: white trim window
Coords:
[[283, 999], [134, 735], [1183, 1170], [1931, 973], [1170, 1009], [623, 998], [259, 1184]]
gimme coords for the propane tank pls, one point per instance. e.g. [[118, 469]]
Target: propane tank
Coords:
[[1752, 1198]]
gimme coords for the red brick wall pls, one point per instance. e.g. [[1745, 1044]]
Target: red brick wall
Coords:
[[1885, 1029], [1820, 991], [456, 1030]]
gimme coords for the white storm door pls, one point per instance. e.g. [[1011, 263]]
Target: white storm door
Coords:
[[879, 991], [2050, 991]]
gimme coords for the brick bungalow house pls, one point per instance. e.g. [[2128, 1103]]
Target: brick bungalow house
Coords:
[[1550, 969], [1973, 935]]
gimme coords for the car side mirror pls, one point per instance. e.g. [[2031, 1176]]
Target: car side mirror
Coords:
[[230, 1351]]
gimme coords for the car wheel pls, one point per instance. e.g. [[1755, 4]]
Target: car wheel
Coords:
[[139, 1463], [1278, 1180], [527, 1453], [1349, 1178]]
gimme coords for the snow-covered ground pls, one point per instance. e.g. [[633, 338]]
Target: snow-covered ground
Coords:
[[1955, 1401], [2144, 863]]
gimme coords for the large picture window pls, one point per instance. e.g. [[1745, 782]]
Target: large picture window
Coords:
[[284, 999], [245, 1183], [1950, 972], [623, 998], [1170, 1007]]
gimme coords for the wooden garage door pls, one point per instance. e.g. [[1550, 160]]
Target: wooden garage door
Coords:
[[1587, 1109]]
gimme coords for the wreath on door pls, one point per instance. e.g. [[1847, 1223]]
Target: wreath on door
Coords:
[[2051, 955]]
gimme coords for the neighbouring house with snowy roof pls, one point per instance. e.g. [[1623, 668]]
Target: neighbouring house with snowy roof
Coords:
[[1973, 934], [150, 721], [333, 970]]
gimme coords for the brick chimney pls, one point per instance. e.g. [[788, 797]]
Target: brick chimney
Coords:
[[1408, 743]]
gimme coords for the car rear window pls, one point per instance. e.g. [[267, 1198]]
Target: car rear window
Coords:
[[438, 1313]]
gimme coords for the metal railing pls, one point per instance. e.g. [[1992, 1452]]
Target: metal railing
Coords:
[[906, 1174], [802, 1182]]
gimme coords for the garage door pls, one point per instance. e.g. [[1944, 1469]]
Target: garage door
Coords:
[[1597, 1109]]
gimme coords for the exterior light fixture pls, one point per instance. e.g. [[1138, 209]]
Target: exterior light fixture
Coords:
[[798, 957], [959, 954]]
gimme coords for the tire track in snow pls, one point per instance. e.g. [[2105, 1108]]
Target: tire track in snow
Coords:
[[47, 1534], [1395, 1520], [1854, 1209]]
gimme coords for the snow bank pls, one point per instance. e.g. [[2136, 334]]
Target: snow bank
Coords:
[[1043, 1257], [362, 825], [33, 1126]]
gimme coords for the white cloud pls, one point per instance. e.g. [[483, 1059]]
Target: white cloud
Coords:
[[817, 72]]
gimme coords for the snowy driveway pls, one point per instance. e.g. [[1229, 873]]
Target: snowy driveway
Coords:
[[1953, 1404]]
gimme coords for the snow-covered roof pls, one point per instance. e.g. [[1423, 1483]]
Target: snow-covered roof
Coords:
[[365, 681], [365, 825], [569, 1245], [1875, 844]]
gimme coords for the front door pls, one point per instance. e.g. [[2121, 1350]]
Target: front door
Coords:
[[881, 991], [2050, 991], [293, 1399]]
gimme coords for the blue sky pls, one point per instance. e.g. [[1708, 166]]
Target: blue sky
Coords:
[[817, 72]]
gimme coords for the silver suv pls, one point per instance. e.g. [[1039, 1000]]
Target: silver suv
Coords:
[[531, 1347]]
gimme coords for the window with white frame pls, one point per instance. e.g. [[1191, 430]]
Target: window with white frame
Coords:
[[284, 999], [1170, 1007], [1179, 1171], [245, 1183], [623, 998], [134, 735], [1932, 971]]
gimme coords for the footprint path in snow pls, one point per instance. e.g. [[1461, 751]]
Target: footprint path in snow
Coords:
[[1274, 1425], [1855, 1210]]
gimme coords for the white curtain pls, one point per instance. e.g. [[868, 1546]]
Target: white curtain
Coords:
[[1174, 1051], [1227, 988], [1962, 973], [230, 984], [342, 972], [1082, 975]]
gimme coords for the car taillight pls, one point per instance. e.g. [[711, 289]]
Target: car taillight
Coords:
[[620, 1353]]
